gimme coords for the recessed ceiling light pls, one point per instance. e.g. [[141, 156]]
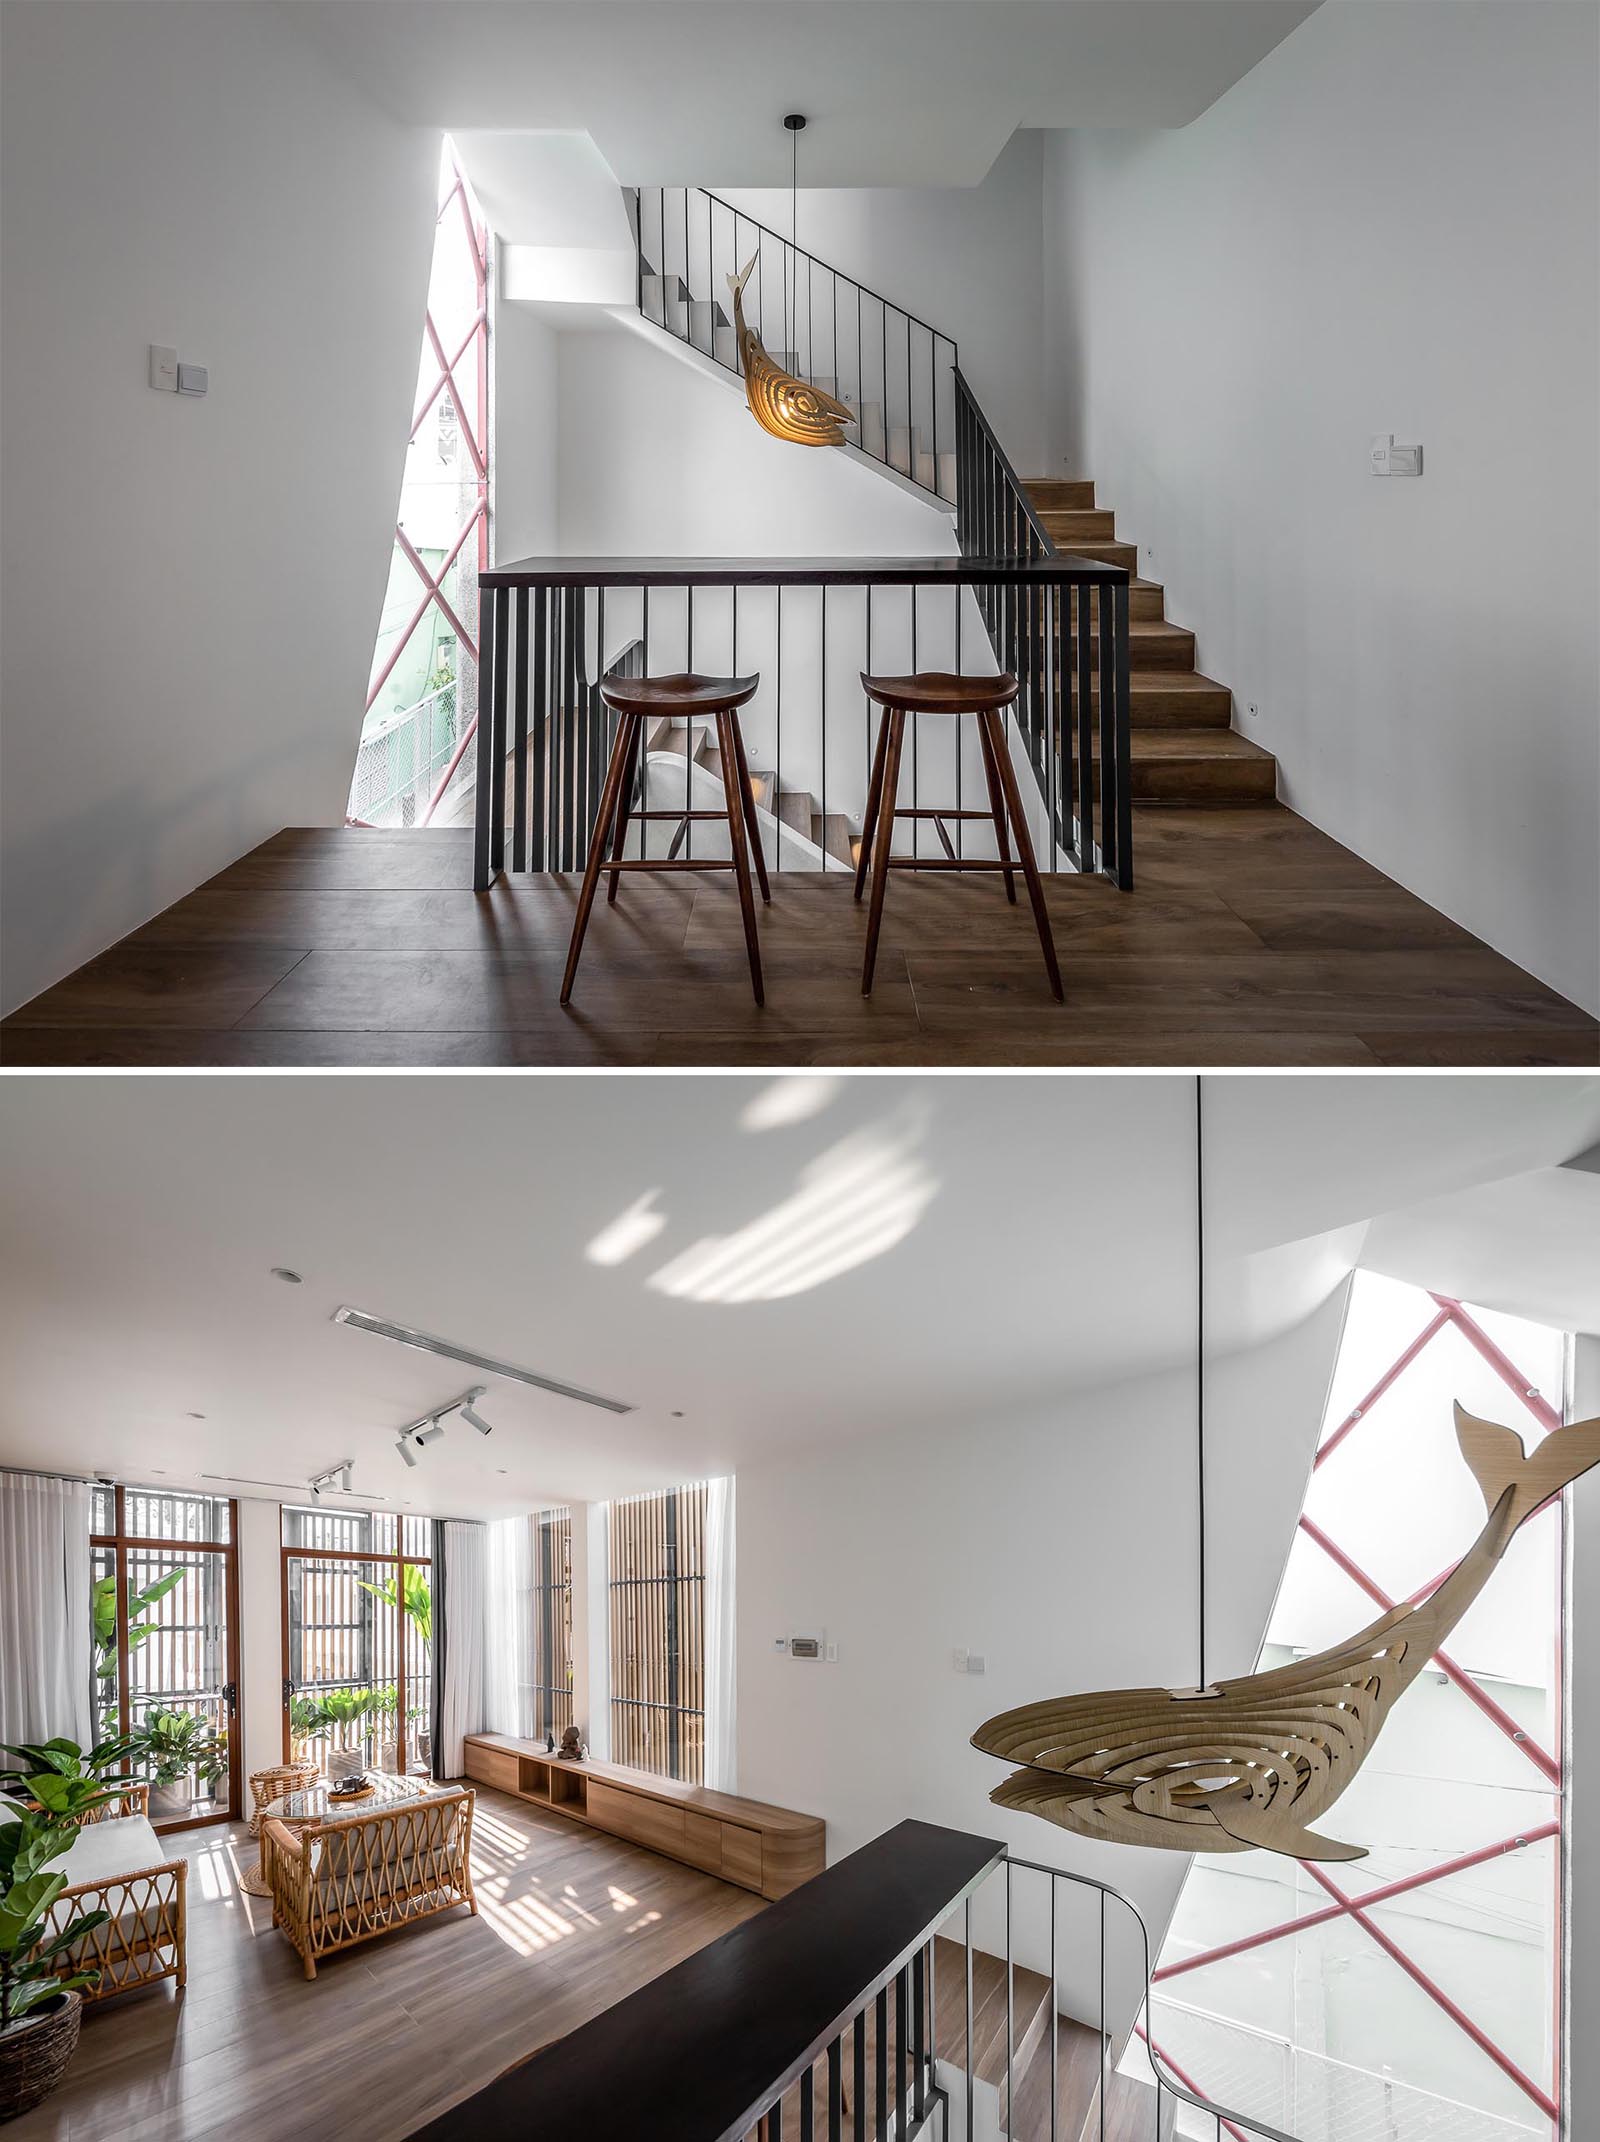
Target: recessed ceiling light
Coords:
[[282, 1271]]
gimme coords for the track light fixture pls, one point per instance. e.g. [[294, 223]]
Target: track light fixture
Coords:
[[412, 1439], [337, 1476]]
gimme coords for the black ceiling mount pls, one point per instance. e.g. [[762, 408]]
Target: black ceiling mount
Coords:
[[794, 121]]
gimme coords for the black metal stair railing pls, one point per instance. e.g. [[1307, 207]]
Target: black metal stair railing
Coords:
[[831, 2014], [1067, 646], [893, 369]]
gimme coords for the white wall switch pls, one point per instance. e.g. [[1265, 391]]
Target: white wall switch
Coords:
[[974, 1662], [959, 1658], [1380, 451], [833, 1654], [1405, 461], [193, 379], [163, 368]]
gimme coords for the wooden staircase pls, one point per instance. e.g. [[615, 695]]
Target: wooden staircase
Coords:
[[1185, 749], [795, 807]]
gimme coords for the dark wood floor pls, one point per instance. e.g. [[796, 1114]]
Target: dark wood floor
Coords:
[[1251, 939], [389, 2033]]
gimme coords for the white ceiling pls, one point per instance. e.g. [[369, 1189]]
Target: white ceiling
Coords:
[[906, 1249], [898, 92]]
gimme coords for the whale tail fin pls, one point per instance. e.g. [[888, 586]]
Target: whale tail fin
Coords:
[[737, 282], [1500, 1464]]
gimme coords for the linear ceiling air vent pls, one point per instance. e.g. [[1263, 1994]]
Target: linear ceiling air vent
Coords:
[[403, 1335]]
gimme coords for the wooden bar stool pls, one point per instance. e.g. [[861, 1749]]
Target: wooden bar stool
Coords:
[[637, 701], [985, 698]]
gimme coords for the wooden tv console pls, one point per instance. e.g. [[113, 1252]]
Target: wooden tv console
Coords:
[[768, 1849]]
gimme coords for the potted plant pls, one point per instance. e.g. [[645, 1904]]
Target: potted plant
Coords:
[[176, 1744], [344, 1709], [308, 1723], [386, 1710], [39, 2006]]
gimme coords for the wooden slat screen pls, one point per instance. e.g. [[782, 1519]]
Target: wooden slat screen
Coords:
[[657, 1599], [552, 1620]]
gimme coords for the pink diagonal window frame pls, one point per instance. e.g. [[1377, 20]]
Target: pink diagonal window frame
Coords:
[[1449, 1314], [472, 417]]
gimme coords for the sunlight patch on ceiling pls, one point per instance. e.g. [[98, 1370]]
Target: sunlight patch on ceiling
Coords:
[[628, 1233], [855, 1202], [795, 1099]]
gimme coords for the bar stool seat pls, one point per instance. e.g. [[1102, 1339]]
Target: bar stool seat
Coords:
[[939, 692], [638, 701]]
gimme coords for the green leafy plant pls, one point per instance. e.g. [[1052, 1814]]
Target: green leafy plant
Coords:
[[48, 1767], [417, 1599], [103, 1616], [175, 1742], [51, 1802], [307, 1719], [345, 1707]]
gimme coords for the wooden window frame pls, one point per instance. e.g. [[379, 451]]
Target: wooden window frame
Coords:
[[393, 1564]]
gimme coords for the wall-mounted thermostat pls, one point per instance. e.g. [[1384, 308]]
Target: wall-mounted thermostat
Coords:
[[1385, 458], [805, 1644]]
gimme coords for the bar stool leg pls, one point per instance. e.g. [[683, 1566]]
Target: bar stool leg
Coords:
[[997, 807], [1019, 826], [869, 817], [621, 751], [895, 722], [752, 822], [635, 726], [728, 747]]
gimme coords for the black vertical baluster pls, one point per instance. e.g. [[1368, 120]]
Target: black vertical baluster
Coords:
[[519, 731], [919, 2073], [836, 2091], [900, 2051], [711, 286], [861, 385], [967, 1946], [911, 432], [822, 724], [541, 700], [881, 2064], [1090, 859], [1123, 723], [574, 844], [883, 321], [859, 2075], [933, 398], [497, 772], [777, 721], [775, 2123], [481, 820], [834, 313], [688, 726], [916, 793], [688, 294], [1108, 732], [808, 2106]]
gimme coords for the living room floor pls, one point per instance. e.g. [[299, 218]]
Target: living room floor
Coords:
[[389, 2033], [1250, 938]]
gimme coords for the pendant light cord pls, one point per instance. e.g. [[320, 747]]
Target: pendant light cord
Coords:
[[1200, 1347], [794, 238]]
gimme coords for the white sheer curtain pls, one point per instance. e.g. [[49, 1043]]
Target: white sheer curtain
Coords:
[[508, 1694], [722, 1748], [462, 1710], [45, 1664]]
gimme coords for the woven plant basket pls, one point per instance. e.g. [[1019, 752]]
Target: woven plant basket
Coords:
[[34, 2053]]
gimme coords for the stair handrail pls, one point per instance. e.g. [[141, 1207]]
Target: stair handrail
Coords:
[[968, 402], [940, 346], [1225, 2115]]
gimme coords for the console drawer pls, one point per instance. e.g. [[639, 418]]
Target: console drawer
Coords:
[[491, 1766], [647, 1822]]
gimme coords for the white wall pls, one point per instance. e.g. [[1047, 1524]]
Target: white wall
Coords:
[[1389, 225], [261, 1661], [524, 413], [191, 587], [1061, 1546], [965, 259]]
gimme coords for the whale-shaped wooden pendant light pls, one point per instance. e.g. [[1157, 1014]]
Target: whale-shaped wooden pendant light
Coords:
[[789, 408], [1254, 1762]]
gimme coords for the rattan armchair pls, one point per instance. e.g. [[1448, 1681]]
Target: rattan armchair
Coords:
[[349, 1877]]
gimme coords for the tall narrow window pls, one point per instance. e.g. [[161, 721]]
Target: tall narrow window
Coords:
[[164, 1626], [358, 1639], [551, 1605], [1413, 1994], [413, 767], [657, 1587]]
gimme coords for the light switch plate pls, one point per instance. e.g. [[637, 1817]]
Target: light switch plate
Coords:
[[193, 379], [1405, 461], [163, 368]]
